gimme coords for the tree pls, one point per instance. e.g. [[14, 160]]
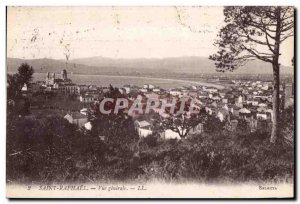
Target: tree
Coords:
[[12, 86], [25, 73], [182, 122], [118, 128], [242, 126], [255, 33], [213, 124], [16, 81]]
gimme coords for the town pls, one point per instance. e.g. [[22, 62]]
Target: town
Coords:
[[249, 100]]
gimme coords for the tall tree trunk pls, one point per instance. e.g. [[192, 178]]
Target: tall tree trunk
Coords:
[[276, 80], [276, 103], [282, 99]]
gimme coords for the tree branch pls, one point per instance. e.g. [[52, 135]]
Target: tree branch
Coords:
[[263, 58]]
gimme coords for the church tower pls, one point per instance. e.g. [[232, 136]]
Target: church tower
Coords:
[[64, 74]]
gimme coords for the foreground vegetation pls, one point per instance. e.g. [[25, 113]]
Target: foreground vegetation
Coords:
[[53, 151]]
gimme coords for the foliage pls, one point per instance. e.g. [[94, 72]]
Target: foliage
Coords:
[[242, 125], [182, 122], [287, 125], [16, 81], [51, 150], [250, 33], [117, 128], [213, 124], [24, 74]]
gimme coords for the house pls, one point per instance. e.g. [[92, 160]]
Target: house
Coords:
[[240, 100], [76, 118], [121, 90], [141, 124], [265, 87], [150, 86], [193, 87], [170, 134], [79, 119], [143, 90], [222, 94], [127, 90], [245, 92], [227, 107], [70, 88], [224, 100], [240, 105], [209, 110], [69, 118], [197, 129], [244, 113], [232, 125], [88, 126], [175, 93], [102, 138], [143, 127], [253, 102], [195, 107], [163, 114], [222, 114], [262, 105], [24, 88], [144, 132], [82, 89], [261, 109], [216, 98], [261, 115], [105, 89], [92, 88], [86, 98], [197, 101], [211, 90], [235, 110]]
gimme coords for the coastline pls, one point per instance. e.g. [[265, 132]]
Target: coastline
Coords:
[[170, 80]]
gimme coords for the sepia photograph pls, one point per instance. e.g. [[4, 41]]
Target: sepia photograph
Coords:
[[158, 102]]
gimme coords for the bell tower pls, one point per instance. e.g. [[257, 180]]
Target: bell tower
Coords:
[[64, 74]]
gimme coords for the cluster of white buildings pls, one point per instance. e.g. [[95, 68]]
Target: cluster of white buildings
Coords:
[[248, 100]]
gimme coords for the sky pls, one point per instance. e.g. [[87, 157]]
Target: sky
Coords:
[[116, 32]]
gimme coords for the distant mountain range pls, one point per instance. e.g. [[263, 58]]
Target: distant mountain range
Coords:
[[101, 65]]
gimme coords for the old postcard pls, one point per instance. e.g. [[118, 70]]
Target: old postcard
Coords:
[[150, 102]]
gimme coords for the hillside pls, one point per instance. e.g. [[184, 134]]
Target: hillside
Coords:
[[101, 65]]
